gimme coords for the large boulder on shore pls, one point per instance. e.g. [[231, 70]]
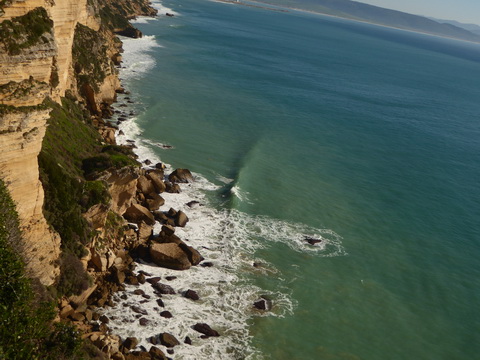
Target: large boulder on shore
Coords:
[[145, 185], [205, 329], [181, 219], [137, 213], [154, 201], [170, 255], [181, 176], [156, 177]]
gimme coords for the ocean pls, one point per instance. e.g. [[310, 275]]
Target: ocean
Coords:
[[296, 126]]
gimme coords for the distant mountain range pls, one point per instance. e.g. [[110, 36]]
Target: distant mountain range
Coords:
[[377, 15]]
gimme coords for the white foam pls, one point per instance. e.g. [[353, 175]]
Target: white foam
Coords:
[[227, 238]]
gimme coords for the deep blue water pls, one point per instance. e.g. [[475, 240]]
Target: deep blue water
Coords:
[[370, 132]]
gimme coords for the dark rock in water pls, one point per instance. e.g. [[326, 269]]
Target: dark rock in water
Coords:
[[139, 310], [170, 278], [206, 264], [169, 14], [170, 351], [130, 32], [312, 241], [193, 255], [192, 203], [172, 188], [130, 343], [121, 132], [205, 329], [166, 314], [153, 340], [168, 340], [156, 354], [159, 166], [263, 303], [145, 296], [139, 292], [160, 216], [143, 321], [181, 176], [144, 273], [104, 319], [163, 288], [154, 280], [160, 303], [188, 340], [147, 162], [191, 294]]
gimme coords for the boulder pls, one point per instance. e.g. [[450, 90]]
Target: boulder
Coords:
[[263, 303], [118, 275], [164, 289], [181, 176], [137, 213], [145, 185], [170, 255], [122, 188], [143, 321], [188, 340], [166, 314], [160, 216], [205, 329], [97, 215], [181, 219], [172, 188], [156, 354], [193, 255], [191, 294], [144, 232], [167, 230], [153, 201], [156, 177], [130, 343], [168, 340]]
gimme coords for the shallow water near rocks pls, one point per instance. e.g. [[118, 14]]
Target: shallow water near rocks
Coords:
[[302, 125]]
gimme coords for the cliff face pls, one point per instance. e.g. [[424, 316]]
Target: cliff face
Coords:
[[38, 42]]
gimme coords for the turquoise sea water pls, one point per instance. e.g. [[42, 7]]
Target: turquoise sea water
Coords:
[[370, 133]]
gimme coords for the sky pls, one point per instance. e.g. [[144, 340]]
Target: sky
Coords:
[[466, 11]]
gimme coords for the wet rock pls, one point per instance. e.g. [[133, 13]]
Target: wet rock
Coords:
[[139, 292], [147, 162], [154, 280], [170, 278], [170, 351], [160, 303], [205, 329], [168, 340], [191, 294], [164, 289], [188, 340], [166, 314], [104, 319], [138, 310], [312, 241], [206, 264], [192, 203], [145, 296], [130, 343], [143, 321], [193, 255], [172, 188], [156, 354], [181, 176], [263, 303], [160, 216]]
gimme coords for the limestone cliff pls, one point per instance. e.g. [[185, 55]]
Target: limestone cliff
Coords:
[[49, 48]]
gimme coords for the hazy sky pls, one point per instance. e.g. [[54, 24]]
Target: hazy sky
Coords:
[[467, 11]]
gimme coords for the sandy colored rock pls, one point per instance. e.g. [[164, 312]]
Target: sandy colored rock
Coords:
[[181, 176], [170, 256], [137, 213], [157, 181]]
